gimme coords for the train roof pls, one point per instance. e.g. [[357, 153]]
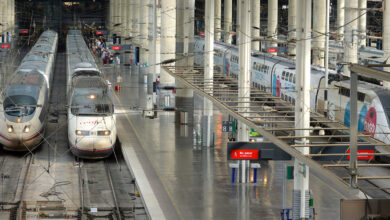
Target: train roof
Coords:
[[78, 54]]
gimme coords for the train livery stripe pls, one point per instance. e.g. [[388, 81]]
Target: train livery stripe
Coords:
[[36, 135], [28, 139], [83, 150], [4, 137]]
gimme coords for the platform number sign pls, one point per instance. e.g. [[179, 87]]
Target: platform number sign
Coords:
[[228, 126]]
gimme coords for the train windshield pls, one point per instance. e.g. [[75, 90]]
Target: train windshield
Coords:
[[19, 105], [92, 110]]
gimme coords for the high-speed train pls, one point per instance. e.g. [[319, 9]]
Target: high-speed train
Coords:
[[277, 75], [25, 100], [91, 121]]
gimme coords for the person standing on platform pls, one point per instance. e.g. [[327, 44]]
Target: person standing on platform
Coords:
[[118, 83]]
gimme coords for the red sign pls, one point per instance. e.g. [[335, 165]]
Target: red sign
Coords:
[[365, 157], [272, 50], [244, 154], [202, 34], [5, 46], [99, 32], [24, 32], [116, 48]]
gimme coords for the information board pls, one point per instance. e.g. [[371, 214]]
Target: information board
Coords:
[[255, 151]]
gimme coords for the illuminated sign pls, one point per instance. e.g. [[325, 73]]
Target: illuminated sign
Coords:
[[99, 32], [244, 154], [24, 31], [255, 151], [202, 34], [116, 48], [272, 50], [5, 46], [365, 157]]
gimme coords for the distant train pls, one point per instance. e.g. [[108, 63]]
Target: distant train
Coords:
[[25, 99], [91, 121], [276, 75]]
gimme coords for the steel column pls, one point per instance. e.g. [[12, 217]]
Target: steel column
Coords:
[[302, 109], [255, 27], [353, 130], [272, 31], [292, 26], [350, 35], [244, 74], [319, 10], [386, 36], [363, 22]]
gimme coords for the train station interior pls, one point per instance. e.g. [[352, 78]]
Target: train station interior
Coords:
[[195, 109]]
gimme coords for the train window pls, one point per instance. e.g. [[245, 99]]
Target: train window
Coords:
[[282, 96], [361, 96], [283, 75], [289, 99], [290, 78], [294, 79], [293, 101], [344, 91]]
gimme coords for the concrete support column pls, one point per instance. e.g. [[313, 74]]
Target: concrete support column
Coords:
[[228, 20], [123, 20], [272, 31], [185, 37], [245, 58], [302, 109], [168, 48], [386, 35], [209, 73], [111, 18], [12, 16], [144, 20], [255, 27], [218, 19], [135, 15], [319, 10], [117, 18], [292, 26], [351, 35], [340, 20], [362, 22], [129, 20], [154, 43], [2, 17]]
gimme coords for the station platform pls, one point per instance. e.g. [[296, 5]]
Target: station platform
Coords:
[[180, 181]]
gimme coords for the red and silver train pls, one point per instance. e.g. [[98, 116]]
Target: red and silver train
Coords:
[[92, 130], [25, 100]]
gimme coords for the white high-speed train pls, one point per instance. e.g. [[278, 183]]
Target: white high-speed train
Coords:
[[91, 121], [277, 76], [25, 100]]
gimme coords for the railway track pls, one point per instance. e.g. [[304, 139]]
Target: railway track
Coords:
[[13, 184], [107, 191]]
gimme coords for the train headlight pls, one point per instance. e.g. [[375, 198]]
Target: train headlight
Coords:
[[92, 96], [82, 133], [26, 129], [19, 120], [104, 133], [10, 129]]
